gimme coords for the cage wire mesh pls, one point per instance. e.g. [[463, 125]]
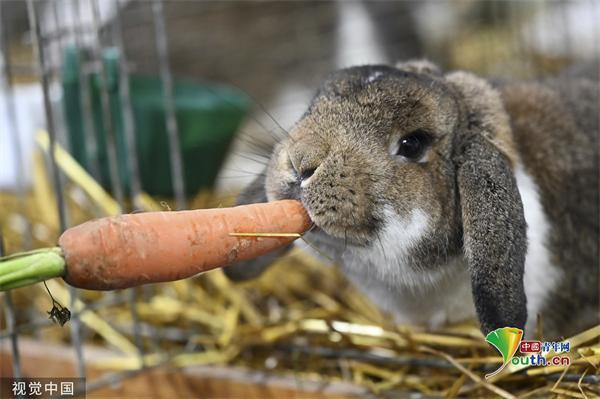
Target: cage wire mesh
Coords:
[[277, 53]]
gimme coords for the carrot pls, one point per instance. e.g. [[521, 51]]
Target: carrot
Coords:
[[135, 249]]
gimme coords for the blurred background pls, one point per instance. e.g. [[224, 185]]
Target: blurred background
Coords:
[[173, 105]]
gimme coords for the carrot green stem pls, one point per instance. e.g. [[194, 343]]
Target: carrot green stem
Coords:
[[31, 267]]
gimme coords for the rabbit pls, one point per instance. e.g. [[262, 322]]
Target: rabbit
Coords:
[[444, 197]]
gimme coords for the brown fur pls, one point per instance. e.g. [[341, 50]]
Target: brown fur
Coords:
[[465, 183], [347, 133], [556, 131]]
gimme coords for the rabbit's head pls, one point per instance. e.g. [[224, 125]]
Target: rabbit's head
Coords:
[[412, 147]]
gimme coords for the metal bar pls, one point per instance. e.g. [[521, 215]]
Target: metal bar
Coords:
[[107, 115], [19, 170], [31, 326], [148, 291], [162, 51], [128, 124], [13, 125], [59, 39], [132, 159], [10, 323], [39, 55], [55, 63], [175, 151], [114, 378], [89, 130], [109, 129], [22, 69], [37, 324], [137, 332], [60, 32], [14, 337], [128, 117]]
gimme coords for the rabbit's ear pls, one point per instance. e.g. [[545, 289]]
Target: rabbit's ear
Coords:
[[494, 228], [252, 268]]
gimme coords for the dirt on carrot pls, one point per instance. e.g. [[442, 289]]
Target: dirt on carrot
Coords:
[[131, 250]]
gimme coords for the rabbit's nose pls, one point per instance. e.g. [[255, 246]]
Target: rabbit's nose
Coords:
[[306, 159], [304, 169], [306, 173]]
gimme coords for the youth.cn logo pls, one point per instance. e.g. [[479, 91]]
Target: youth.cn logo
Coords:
[[508, 339]]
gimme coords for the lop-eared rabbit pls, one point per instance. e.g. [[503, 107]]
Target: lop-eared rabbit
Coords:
[[444, 197]]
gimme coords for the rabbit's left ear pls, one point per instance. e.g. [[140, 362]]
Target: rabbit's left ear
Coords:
[[494, 228]]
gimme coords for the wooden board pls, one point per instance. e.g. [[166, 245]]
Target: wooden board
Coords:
[[39, 359]]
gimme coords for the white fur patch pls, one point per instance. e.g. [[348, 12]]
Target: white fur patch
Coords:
[[432, 298], [441, 296], [386, 257], [541, 276], [374, 76]]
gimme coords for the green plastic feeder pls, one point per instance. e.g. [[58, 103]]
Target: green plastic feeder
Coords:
[[208, 116]]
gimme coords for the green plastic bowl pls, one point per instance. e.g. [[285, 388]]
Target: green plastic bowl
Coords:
[[208, 116]]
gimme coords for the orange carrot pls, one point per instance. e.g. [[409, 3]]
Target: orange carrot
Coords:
[[130, 250]]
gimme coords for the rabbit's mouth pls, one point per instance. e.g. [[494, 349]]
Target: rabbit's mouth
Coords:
[[334, 217], [340, 204], [338, 228]]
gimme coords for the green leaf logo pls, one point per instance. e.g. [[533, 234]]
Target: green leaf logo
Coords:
[[506, 340]]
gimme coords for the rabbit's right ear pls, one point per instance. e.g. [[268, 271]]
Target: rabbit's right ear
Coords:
[[494, 228], [252, 268]]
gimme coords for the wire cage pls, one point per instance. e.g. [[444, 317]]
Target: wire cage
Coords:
[[301, 330]]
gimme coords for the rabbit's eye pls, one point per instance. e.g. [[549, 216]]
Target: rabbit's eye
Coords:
[[413, 145]]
